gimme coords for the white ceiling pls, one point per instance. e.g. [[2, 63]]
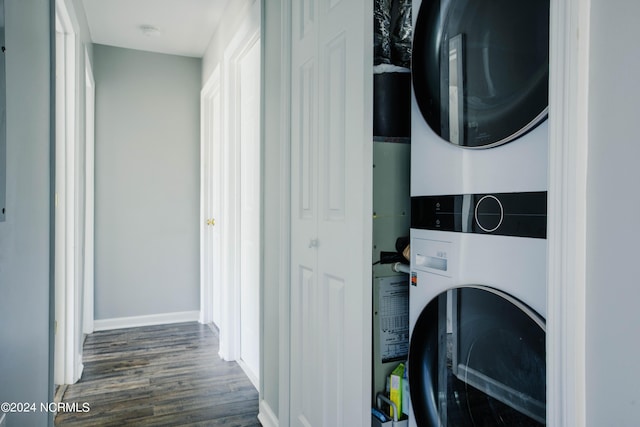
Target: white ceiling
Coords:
[[185, 26]]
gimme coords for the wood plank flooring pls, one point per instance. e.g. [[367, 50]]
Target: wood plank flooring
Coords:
[[167, 375]]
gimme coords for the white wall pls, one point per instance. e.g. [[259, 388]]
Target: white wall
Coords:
[[79, 19], [25, 335], [147, 183], [613, 207], [234, 15]]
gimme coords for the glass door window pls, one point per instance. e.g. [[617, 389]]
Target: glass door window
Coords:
[[477, 358]]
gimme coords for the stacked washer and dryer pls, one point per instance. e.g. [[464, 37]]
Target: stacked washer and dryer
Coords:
[[478, 216]]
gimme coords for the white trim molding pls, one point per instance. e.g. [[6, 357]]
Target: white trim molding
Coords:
[[266, 415], [255, 380], [210, 301], [147, 320], [67, 215], [567, 213], [89, 205]]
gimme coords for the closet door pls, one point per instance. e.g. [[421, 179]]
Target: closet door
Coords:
[[331, 160]]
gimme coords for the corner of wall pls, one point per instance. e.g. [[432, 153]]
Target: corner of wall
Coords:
[[266, 416]]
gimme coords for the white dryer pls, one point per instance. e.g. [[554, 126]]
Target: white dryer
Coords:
[[480, 82]]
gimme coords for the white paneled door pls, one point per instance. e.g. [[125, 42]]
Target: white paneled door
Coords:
[[331, 158]]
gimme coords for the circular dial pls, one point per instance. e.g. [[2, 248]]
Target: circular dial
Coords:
[[489, 213]]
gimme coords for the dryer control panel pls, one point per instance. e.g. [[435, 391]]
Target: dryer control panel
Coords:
[[507, 214]]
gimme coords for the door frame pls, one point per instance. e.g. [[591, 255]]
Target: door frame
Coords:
[[224, 78], [88, 294], [67, 354], [567, 211], [210, 309], [250, 41], [246, 35]]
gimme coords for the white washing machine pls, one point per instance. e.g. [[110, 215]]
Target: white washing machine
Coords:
[[478, 234], [477, 310]]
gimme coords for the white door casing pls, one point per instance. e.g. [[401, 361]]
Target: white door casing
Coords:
[[60, 364], [567, 211], [250, 207], [230, 249], [212, 176], [331, 195], [88, 316], [247, 34], [69, 206]]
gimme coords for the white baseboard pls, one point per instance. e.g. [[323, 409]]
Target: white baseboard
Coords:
[[266, 416], [148, 320], [79, 369], [249, 373]]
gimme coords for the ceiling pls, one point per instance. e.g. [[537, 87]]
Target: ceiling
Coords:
[[184, 27]]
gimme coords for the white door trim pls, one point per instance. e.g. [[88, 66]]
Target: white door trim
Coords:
[[567, 213], [224, 81], [247, 34], [209, 119], [67, 357], [90, 87], [250, 207]]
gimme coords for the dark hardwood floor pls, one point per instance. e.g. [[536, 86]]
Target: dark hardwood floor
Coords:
[[167, 375]]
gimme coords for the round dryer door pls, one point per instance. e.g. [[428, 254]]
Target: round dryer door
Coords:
[[481, 68], [477, 358]]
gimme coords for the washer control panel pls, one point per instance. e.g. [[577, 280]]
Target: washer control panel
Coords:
[[508, 214]]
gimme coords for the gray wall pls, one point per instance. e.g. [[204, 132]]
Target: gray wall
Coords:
[[147, 183], [613, 235], [276, 210], [24, 238]]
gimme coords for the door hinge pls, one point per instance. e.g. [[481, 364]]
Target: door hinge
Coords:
[[55, 327]]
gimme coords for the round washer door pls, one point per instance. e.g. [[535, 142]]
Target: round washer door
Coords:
[[480, 68], [477, 358]]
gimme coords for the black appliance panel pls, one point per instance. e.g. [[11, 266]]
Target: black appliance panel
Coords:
[[522, 214]]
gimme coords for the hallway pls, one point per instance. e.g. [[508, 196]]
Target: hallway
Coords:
[[159, 375]]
